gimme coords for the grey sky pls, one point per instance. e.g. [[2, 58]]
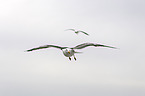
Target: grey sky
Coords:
[[26, 24]]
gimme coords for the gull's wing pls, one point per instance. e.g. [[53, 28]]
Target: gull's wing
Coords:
[[91, 44], [71, 29], [84, 32], [45, 46]]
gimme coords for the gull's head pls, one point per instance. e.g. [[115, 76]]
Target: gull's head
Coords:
[[68, 50]]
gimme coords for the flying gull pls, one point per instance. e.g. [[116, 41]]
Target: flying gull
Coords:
[[70, 51], [78, 31]]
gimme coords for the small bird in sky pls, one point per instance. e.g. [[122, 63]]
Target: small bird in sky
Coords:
[[70, 51], [78, 31]]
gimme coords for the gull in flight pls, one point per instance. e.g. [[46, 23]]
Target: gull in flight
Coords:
[[70, 51], [78, 31]]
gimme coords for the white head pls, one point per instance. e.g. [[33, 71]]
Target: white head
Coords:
[[68, 52]]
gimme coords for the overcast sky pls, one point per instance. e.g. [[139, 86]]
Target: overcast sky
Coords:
[[26, 24]]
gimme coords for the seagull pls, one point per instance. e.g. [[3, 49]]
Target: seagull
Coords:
[[78, 31], [70, 51]]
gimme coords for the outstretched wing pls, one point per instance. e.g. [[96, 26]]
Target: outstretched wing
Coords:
[[45, 46], [71, 29], [84, 32], [91, 44]]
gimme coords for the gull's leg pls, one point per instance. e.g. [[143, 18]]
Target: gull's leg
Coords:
[[69, 58], [75, 58]]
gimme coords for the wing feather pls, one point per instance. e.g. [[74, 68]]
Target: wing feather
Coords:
[[71, 29], [91, 44], [84, 32], [45, 46]]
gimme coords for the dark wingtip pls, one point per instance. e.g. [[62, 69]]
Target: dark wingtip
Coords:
[[110, 47], [114, 47]]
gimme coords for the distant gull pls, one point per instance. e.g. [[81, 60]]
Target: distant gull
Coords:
[[78, 31], [70, 51]]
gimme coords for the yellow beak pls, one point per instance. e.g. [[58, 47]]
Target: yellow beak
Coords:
[[69, 52]]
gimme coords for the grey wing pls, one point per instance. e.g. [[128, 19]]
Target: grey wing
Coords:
[[45, 46], [71, 29], [84, 32], [91, 44]]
